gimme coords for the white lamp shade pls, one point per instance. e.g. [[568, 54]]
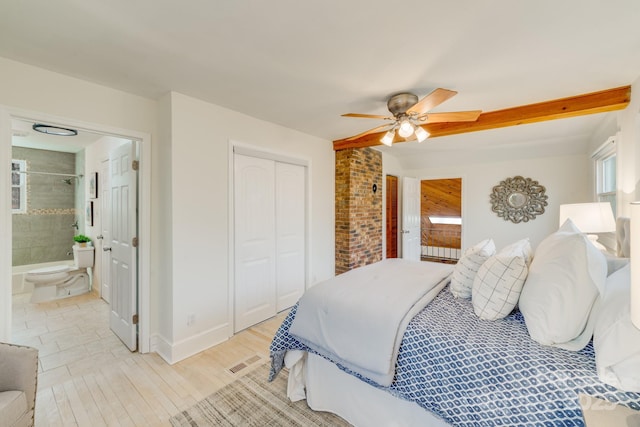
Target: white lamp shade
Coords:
[[635, 264], [589, 217], [421, 134], [387, 139], [406, 129]]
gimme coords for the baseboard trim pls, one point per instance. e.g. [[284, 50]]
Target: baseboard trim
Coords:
[[173, 353]]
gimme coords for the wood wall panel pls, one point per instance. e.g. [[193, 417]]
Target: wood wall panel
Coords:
[[440, 197]]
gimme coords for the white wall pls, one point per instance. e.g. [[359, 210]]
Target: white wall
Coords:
[[162, 298], [564, 177], [628, 153], [200, 135]]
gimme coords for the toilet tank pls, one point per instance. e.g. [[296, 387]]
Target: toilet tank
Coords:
[[83, 257]]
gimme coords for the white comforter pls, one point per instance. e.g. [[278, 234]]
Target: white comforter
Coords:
[[358, 318]]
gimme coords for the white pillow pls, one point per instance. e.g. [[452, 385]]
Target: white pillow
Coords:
[[465, 270], [497, 286], [565, 277], [614, 263], [521, 248], [615, 340]]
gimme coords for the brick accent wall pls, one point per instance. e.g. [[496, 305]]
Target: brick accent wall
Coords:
[[358, 208]]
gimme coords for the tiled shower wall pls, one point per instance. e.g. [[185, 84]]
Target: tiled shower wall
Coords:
[[45, 232]]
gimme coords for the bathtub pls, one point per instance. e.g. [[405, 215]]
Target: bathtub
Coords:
[[18, 272]]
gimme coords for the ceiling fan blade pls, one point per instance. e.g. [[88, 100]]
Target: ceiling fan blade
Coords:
[[431, 101], [455, 116], [374, 130], [368, 116]]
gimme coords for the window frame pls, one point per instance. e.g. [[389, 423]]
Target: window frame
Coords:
[[601, 158], [22, 167]]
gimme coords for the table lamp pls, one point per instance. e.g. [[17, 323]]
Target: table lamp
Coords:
[[590, 218]]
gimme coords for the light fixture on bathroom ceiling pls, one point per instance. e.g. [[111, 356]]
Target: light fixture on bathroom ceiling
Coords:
[[54, 130]]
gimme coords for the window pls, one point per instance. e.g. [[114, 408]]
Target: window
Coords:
[[18, 186], [605, 162]]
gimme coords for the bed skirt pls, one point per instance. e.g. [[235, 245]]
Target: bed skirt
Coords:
[[357, 402]]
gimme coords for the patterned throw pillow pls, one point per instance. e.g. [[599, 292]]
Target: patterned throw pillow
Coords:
[[497, 286], [467, 268]]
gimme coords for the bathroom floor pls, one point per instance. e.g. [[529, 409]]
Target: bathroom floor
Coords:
[[87, 377], [71, 334]]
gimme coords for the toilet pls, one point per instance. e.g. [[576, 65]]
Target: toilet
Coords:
[[64, 280]]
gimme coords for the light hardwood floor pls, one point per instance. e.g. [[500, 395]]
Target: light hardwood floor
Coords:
[[87, 377]]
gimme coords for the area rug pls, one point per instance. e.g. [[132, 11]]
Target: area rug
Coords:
[[253, 401]]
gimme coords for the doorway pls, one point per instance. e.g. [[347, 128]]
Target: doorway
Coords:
[[441, 219], [7, 121], [391, 221]]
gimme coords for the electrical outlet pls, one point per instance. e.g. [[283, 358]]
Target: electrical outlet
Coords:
[[191, 319]]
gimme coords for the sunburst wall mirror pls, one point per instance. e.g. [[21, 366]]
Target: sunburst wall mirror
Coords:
[[518, 199]]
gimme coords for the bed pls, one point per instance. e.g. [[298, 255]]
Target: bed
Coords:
[[456, 367]]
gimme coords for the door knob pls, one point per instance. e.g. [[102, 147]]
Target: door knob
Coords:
[[100, 237], [106, 249]]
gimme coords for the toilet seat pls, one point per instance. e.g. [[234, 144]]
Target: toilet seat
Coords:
[[62, 280], [48, 274]]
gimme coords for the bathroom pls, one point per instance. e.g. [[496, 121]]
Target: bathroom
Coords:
[[48, 188], [52, 203]]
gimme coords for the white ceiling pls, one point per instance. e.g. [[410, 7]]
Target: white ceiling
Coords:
[[302, 64]]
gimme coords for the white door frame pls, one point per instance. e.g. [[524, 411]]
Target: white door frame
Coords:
[[144, 212], [265, 153], [411, 245]]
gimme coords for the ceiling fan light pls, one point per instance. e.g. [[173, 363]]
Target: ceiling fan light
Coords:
[[406, 129], [387, 139], [421, 134]]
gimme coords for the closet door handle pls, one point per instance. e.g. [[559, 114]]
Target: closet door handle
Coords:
[[106, 249]]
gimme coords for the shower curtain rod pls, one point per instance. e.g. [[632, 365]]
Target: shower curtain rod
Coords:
[[52, 173]]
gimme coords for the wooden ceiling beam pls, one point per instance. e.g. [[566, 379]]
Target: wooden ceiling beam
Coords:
[[573, 106]]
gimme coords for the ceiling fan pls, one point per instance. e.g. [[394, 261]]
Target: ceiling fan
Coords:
[[409, 114]]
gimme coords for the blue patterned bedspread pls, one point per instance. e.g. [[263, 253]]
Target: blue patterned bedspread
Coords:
[[474, 372]]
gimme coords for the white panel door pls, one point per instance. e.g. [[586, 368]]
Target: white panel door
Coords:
[[290, 233], [123, 299], [411, 218], [104, 187], [254, 207]]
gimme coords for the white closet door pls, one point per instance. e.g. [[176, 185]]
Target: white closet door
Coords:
[[290, 233], [255, 274]]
